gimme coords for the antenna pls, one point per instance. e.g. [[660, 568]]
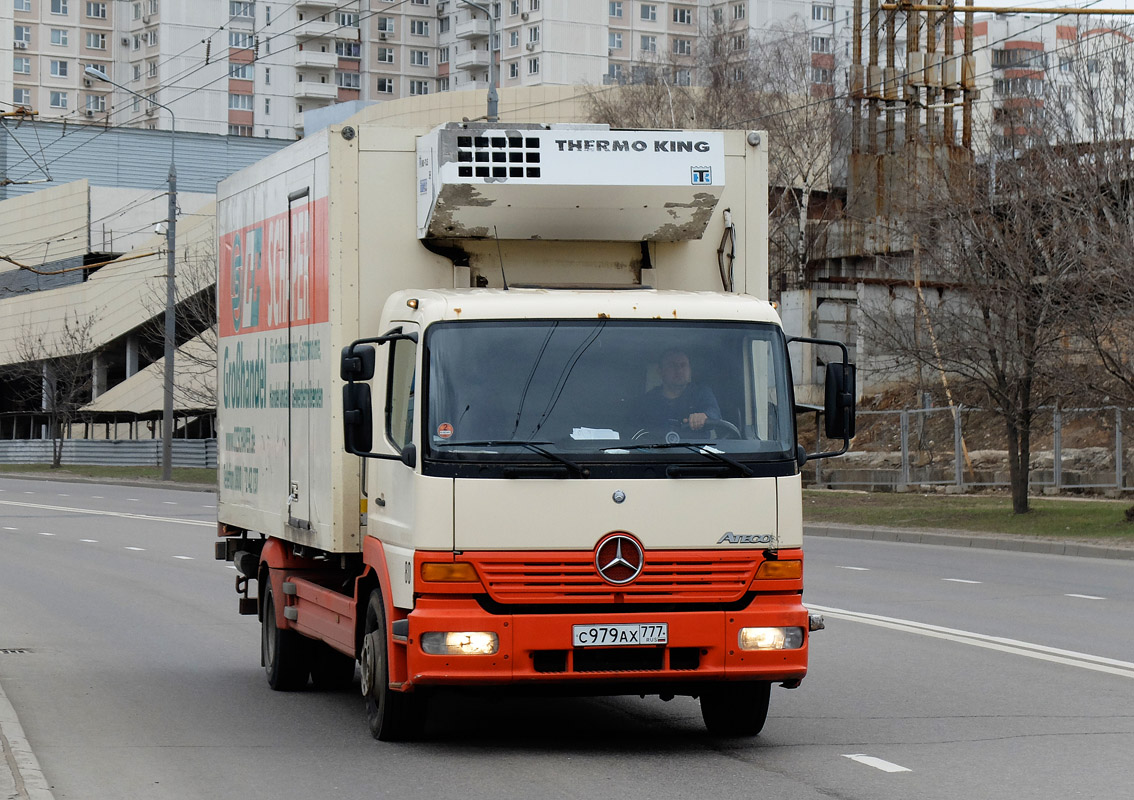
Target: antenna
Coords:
[[500, 255]]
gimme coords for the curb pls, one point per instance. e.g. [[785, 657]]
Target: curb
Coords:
[[20, 776], [987, 541], [141, 483]]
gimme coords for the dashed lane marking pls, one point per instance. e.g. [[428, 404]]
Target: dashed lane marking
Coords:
[[136, 549], [959, 580], [99, 512], [856, 569], [877, 763], [1085, 596]]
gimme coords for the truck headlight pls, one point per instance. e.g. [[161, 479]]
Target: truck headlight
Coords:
[[771, 638], [460, 643]]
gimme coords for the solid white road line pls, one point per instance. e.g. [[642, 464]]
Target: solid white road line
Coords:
[[1071, 658], [877, 763], [101, 513]]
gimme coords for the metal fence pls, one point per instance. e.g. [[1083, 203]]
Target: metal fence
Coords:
[[1078, 448], [111, 452]]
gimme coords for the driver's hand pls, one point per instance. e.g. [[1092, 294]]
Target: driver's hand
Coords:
[[697, 421]]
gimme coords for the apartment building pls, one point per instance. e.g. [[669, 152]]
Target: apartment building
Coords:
[[254, 67]]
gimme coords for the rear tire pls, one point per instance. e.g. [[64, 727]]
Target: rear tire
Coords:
[[392, 716], [736, 709], [285, 654]]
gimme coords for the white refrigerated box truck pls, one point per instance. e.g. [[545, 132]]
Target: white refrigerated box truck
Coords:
[[505, 406]]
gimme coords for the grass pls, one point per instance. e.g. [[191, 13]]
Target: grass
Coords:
[[1048, 517], [180, 474]]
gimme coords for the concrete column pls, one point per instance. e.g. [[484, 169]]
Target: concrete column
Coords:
[[98, 375], [131, 355]]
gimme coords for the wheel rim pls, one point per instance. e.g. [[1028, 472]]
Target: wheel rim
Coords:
[[368, 664]]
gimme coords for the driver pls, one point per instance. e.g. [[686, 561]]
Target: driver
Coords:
[[678, 401]]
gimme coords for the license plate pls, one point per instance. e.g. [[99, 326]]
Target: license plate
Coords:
[[620, 635]]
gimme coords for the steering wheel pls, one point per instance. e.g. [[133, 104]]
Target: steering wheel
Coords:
[[715, 424]]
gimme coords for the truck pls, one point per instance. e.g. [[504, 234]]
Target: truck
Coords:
[[504, 407]]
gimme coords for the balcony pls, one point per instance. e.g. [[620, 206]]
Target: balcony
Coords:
[[471, 59], [315, 29], [472, 29], [313, 59], [319, 6], [313, 90]]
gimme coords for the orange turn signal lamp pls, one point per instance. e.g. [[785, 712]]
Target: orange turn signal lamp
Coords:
[[451, 572], [780, 570]]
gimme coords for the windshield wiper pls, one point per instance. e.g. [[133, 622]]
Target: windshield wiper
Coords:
[[534, 447], [695, 447]]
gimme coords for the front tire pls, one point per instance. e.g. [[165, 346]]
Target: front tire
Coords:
[[736, 709], [392, 716], [285, 654]]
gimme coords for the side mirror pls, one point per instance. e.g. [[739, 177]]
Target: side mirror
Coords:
[[357, 362], [838, 406], [358, 417]]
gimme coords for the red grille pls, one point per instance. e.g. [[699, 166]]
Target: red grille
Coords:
[[572, 578]]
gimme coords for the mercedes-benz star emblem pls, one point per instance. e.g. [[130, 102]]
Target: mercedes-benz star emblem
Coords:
[[619, 558]]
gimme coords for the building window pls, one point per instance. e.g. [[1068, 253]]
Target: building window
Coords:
[[820, 75], [385, 24], [238, 8], [58, 99], [443, 25], [514, 70], [683, 47], [385, 86], [240, 71], [151, 69], [683, 15], [514, 39], [384, 55], [347, 19], [267, 21], [96, 102], [153, 6], [58, 6], [137, 72], [616, 8], [820, 44], [513, 8], [137, 10], [240, 102], [96, 10], [242, 41], [443, 56], [533, 66], [96, 41], [419, 2], [239, 130], [418, 87], [683, 77], [21, 97], [22, 33], [59, 36], [22, 5], [533, 34], [533, 5], [267, 105], [614, 41], [348, 49], [59, 69], [419, 58], [152, 41], [738, 11], [419, 27], [739, 42], [614, 73], [718, 16], [442, 84], [137, 41], [649, 12], [348, 80], [649, 44], [21, 65], [822, 13], [267, 76], [1064, 64]]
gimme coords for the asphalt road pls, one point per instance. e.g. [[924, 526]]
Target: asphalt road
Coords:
[[944, 673]]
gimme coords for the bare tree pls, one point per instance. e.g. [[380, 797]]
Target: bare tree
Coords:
[[774, 83], [56, 368]]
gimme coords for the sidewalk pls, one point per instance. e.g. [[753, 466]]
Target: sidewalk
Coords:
[[20, 777], [990, 541]]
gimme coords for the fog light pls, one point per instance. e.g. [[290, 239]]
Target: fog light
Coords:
[[460, 643], [771, 638]]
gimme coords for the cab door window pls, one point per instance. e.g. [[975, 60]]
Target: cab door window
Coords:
[[400, 393]]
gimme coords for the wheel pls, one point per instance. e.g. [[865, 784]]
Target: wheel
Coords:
[[737, 709], [285, 654], [392, 716], [331, 669]]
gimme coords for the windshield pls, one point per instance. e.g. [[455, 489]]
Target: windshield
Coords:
[[601, 391]]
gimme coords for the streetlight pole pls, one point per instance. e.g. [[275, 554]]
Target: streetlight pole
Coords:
[[493, 99], [170, 283]]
